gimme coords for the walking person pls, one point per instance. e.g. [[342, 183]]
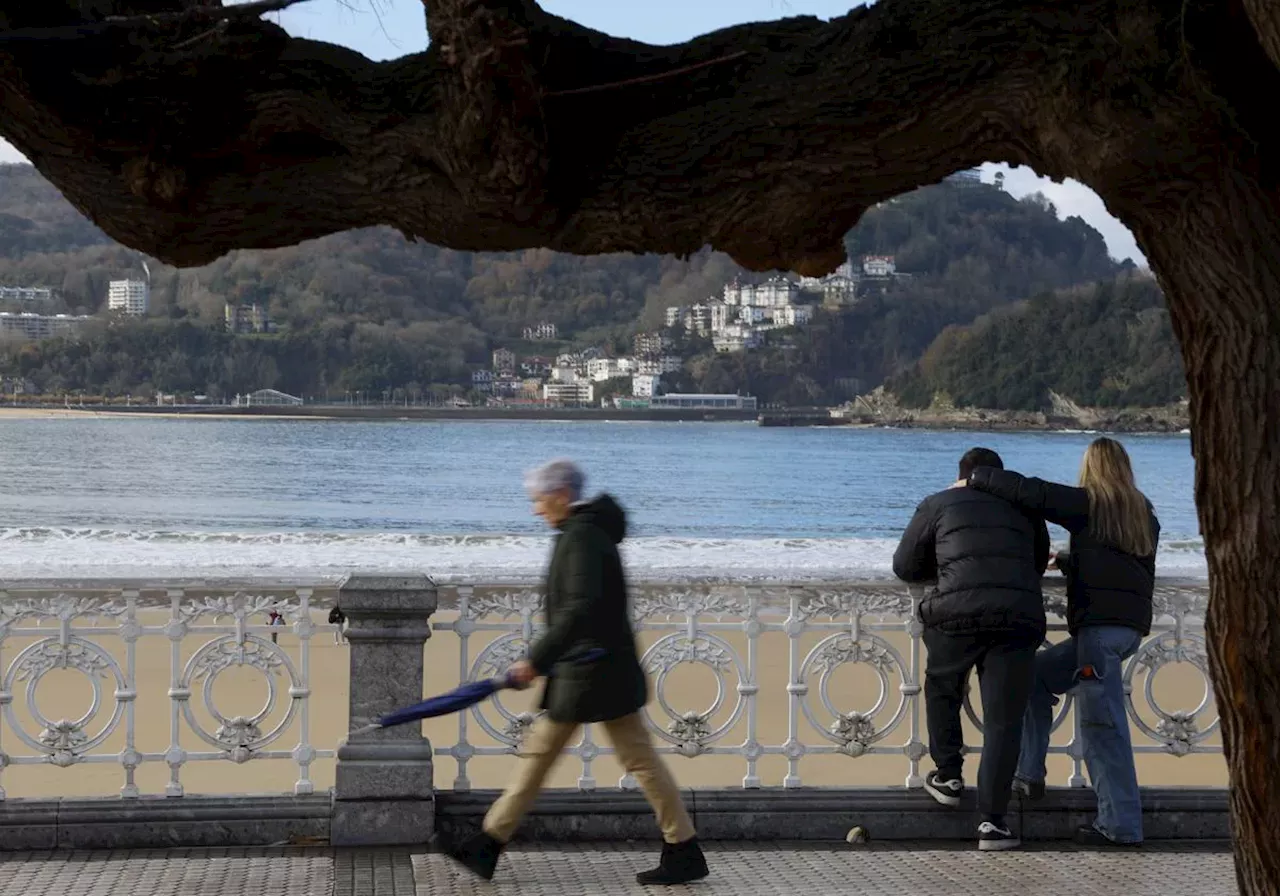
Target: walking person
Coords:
[[1110, 568], [337, 619], [275, 620], [986, 611], [587, 610]]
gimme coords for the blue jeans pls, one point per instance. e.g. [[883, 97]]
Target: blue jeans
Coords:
[[1091, 664]]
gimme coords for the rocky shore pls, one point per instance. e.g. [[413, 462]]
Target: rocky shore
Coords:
[[882, 409]]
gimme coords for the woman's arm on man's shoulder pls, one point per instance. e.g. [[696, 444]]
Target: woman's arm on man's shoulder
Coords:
[[1063, 505]]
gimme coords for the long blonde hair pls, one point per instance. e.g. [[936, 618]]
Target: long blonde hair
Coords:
[[1118, 513]]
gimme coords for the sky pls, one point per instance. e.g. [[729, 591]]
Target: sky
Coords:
[[385, 29]]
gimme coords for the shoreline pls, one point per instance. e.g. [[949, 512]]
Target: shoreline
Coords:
[[1129, 423]]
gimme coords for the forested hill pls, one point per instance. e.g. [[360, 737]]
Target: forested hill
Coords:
[[368, 310], [1107, 346]]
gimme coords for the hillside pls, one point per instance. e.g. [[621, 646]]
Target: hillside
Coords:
[[369, 311], [1107, 346]]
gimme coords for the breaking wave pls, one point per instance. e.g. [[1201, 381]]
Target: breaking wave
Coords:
[[42, 552]]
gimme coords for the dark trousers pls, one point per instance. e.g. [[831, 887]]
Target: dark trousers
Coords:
[[1006, 672]]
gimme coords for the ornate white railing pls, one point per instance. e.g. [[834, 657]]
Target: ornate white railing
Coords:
[[854, 622], [100, 637], [203, 633]]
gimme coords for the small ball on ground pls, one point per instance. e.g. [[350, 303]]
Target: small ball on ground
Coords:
[[857, 834]]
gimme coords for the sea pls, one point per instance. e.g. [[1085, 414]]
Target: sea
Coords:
[[310, 500]]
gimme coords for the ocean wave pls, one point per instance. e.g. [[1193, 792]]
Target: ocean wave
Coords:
[[46, 552]]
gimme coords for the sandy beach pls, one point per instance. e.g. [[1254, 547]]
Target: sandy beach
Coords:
[[240, 691], [33, 413]]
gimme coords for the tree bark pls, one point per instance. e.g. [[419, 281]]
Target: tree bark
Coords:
[[1219, 264], [519, 129]]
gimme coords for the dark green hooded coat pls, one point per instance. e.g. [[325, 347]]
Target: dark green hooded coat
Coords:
[[587, 608]]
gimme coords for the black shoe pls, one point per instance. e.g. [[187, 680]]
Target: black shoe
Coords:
[[946, 789], [1032, 790], [993, 837], [478, 854], [681, 863], [1088, 835]]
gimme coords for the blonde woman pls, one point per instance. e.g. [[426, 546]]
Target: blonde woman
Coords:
[[1110, 570]]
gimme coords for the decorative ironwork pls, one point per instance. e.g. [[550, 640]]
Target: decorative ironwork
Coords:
[[869, 626], [98, 633]]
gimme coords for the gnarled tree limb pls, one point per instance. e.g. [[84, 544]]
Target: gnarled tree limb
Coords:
[[767, 141]]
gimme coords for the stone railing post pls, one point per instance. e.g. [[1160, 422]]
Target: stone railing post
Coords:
[[384, 793]]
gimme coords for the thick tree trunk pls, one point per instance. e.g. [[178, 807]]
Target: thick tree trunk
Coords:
[[1219, 263]]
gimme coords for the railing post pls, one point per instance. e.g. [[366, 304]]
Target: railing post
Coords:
[[384, 794]]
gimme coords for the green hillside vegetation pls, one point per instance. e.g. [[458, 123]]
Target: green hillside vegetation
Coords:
[[368, 311], [1108, 346]]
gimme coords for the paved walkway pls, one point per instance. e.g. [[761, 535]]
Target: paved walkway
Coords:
[[742, 870]]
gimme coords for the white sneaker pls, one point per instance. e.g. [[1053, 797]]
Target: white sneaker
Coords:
[[993, 838], [946, 791]]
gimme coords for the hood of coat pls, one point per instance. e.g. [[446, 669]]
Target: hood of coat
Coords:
[[603, 512]]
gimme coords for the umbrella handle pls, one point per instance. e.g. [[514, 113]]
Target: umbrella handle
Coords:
[[366, 729]]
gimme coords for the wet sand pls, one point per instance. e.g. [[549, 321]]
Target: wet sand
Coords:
[[238, 691]]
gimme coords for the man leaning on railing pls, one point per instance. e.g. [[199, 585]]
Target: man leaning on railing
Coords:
[[987, 611]]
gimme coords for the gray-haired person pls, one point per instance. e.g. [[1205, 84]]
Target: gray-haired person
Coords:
[[587, 610]]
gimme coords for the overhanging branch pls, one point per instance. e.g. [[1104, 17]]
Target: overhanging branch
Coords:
[[519, 129]]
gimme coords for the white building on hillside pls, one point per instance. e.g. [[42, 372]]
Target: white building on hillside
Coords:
[[879, 265], [129, 297], [652, 343], [40, 326], [540, 332], [736, 338], [27, 296], [694, 318], [646, 385], [504, 360], [659, 365], [601, 369], [773, 293], [792, 315]]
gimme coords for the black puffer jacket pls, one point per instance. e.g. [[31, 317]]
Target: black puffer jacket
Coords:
[[1105, 586], [987, 558], [587, 609]]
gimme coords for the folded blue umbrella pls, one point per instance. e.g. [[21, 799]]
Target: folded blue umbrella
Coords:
[[460, 698]]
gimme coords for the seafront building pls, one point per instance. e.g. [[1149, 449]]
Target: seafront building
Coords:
[[704, 402], [571, 394], [266, 398]]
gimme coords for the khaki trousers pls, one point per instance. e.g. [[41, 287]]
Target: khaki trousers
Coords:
[[634, 746]]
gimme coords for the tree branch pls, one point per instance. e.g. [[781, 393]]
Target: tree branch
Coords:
[[767, 141]]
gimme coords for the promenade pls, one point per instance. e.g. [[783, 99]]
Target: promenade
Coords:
[[742, 870], [163, 740]]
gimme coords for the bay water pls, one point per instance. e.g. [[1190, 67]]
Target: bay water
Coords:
[[146, 498]]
